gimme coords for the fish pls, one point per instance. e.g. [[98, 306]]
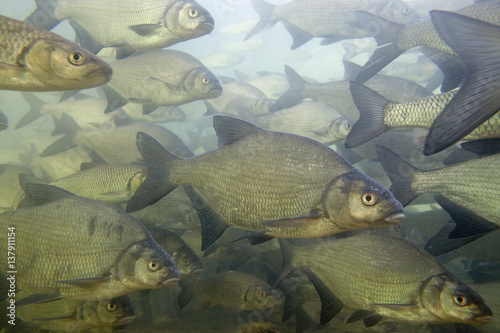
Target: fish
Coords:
[[477, 99], [114, 145], [317, 191], [394, 38], [112, 254], [186, 260], [223, 60], [77, 316], [315, 120], [4, 122], [273, 85], [337, 93], [35, 59], [159, 116], [237, 95], [111, 183], [383, 277], [469, 186], [379, 114], [11, 194], [238, 291], [130, 26], [160, 78], [306, 19]]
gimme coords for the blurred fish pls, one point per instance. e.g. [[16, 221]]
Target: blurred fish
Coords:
[[111, 183], [222, 60], [477, 100], [238, 95], [111, 253], [128, 25], [243, 46], [11, 193], [471, 186], [159, 116], [379, 114], [163, 77], [383, 277], [314, 120], [186, 260], [306, 19], [337, 93], [77, 316], [35, 59], [395, 38], [273, 85], [238, 291], [113, 145], [4, 122], [253, 172], [88, 112]]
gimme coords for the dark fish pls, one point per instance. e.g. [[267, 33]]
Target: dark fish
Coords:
[[255, 171], [4, 122]]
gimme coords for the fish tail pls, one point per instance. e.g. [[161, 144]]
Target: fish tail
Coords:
[[70, 129], [265, 11], [186, 294], [293, 96], [157, 184], [385, 33], [371, 106], [44, 15], [35, 110], [452, 67], [28, 179], [400, 173]]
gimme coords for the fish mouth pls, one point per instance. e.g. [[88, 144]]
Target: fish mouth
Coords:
[[208, 26], [107, 72], [215, 93], [484, 319], [394, 218], [170, 282], [126, 320]]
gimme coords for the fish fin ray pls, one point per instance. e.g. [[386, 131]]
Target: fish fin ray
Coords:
[[85, 39], [115, 100], [230, 130], [39, 298], [452, 67], [300, 37], [293, 95], [265, 11]]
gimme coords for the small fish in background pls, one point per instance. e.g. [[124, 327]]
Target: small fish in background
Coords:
[[222, 60], [235, 290], [77, 316], [11, 193], [273, 85], [4, 122], [238, 185], [160, 78], [382, 277], [159, 116], [315, 120], [306, 19], [112, 253], [379, 114], [238, 95], [35, 59], [127, 25]]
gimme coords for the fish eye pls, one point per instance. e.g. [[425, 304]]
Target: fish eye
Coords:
[[397, 227], [348, 127], [193, 13], [154, 265], [185, 262], [406, 11], [205, 80], [369, 199], [76, 58], [263, 294], [460, 299], [111, 306]]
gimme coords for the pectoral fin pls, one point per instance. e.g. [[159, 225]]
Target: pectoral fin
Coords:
[[39, 298], [86, 283], [145, 29], [294, 222]]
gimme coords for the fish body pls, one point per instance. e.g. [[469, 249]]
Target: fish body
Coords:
[[379, 114], [305, 19], [11, 193], [35, 59], [283, 184], [388, 278], [161, 77], [112, 254], [127, 25], [75, 316], [159, 116]]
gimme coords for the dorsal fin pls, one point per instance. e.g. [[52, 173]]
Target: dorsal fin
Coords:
[[230, 129], [40, 194]]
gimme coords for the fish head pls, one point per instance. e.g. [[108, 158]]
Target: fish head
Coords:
[[340, 127], [260, 297], [63, 65], [174, 113], [355, 201], [203, 84], [453, 301], [118, 311], [189, 19], [400, 12], [145, 265], [187, 262]]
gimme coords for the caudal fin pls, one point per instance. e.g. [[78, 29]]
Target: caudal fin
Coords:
[[371, 106], [293, 96], [70, 129], [400, 173], [476, 42], [385, 33], [44, 15], [157, 185], [34, 112], [265, 11]]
